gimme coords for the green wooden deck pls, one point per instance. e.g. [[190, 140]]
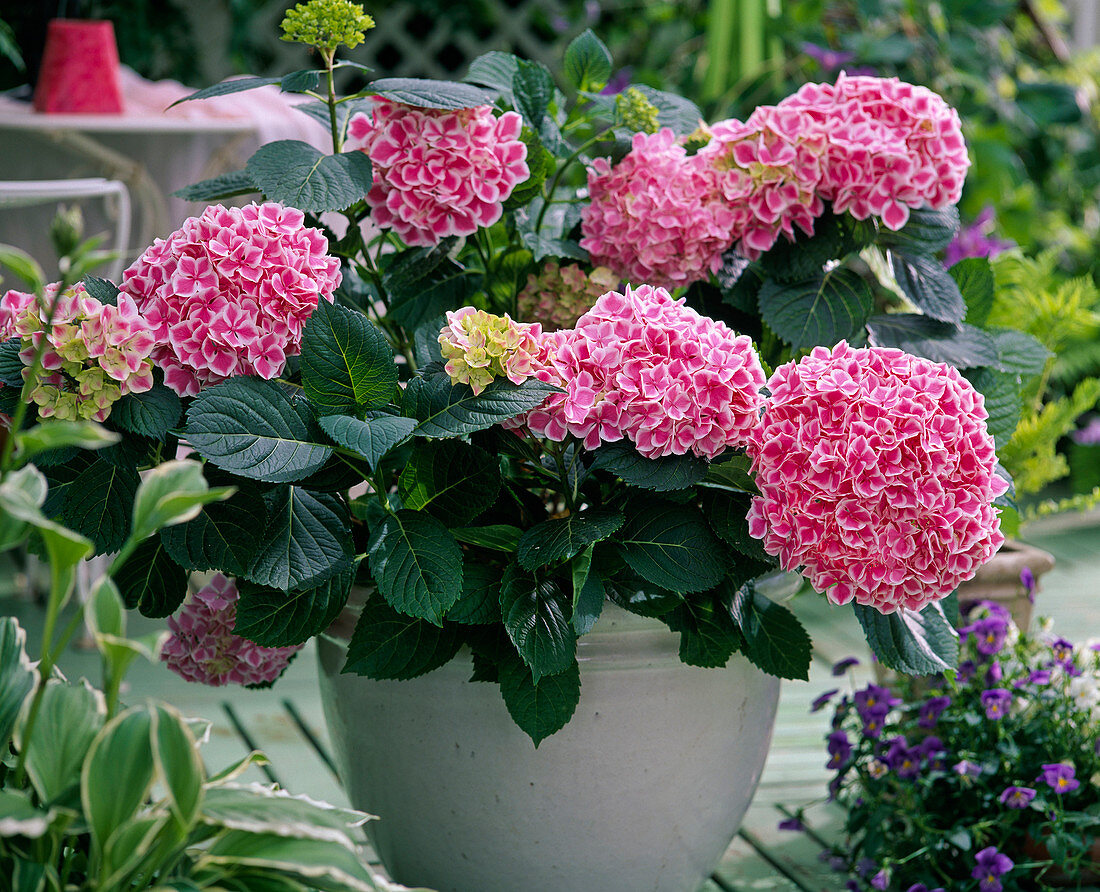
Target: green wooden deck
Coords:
[[286, 721]]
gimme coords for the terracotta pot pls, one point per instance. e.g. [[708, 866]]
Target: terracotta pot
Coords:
[[643, 790], [79, 72], [1056, 876]]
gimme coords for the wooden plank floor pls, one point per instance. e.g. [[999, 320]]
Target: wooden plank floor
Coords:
[[283, 720]]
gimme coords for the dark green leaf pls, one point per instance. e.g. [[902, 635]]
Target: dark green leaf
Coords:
[[1003, 402], [913, 643], [347, 363], [226, 535], [587, 61], [480, 601], [372, 437], [542, 246], [562, 538], [255, 429], [536, 615], [588, 604], [234, 85], [672, 547], [417, 565], [974, 276], [708, 635], [497, 537], [734, 473], [775, 640], [425, 283], [1019, 353], [100, 502], [673, 111], [151, 414], [303, 81], [451, 480], [423, 93], [670, 472], [450, 410], [532, 89], [103, 290], [1048, 103], [818, 311], [294, 173], [273, 618], [639, 596], [11, 366], [963, 346], [926, 231], [805, 257], [543, 708], [727, 514], [390, 645], [226, 185], [927, 284], [151, 581], [497, 70], [307, 539]]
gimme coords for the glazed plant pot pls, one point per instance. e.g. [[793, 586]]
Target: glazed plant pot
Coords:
[[643, 790], [999, 580], [79, 72]]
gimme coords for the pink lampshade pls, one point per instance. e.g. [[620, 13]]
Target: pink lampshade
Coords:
[[79, 70]]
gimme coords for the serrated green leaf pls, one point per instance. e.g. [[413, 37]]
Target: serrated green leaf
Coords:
[[926, 232], [101, 505], [255, 429], [775, 640], [150, 414], [151, 581], [536, 615], [1003, 402], [1019, 353], [587, 61], [273, 618], [449, 410], [106, 292], [226, 535], [708, 635], [733, 473], [818, 311], [425, 283], [806, 256], [388, 644], [303, 81], [233, 85], [424, 93], [347, 363], [542, 246], [294, 173], [11, 366], [672, 547], [562, 538], [307, 539], [974, 276], [226, 185], [497, 70], [417, 565], [670, 472], [449, 479], [727, 514], [480, 601], [681, 115], [914, 643], [640, 597], [929, 286], [532, 90], [372, 437], [543, 708], [588, 604], [963, 346]]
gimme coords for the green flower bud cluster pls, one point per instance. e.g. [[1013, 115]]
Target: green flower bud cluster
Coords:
[[635, 112], [480, 347], [326, 24]]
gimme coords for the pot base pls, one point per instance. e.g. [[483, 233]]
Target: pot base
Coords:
[[643, 790]]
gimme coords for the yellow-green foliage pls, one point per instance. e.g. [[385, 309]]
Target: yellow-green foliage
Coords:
[[1063, 315]]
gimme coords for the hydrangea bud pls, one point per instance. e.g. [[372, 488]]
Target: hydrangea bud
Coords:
[[559, 295], [480, 347], [326, 24]]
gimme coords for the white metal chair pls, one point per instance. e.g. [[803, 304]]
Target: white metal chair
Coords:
[[24, 193]]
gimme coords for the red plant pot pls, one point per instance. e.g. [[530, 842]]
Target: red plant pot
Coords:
[[79, 70]]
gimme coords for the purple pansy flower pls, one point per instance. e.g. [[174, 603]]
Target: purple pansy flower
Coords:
[[842, 666], [791, 824], [930, 748], [966, 768], [881, 880], [931, 710], [966, 671], [976, 240], [1027, 580], [828, 59], [839, 748], [1063, 649], [1039, 676], [996, 701], [620, 80], [1060, 777], [1017, 797], [902, 758], [989, 866], [989, 634], [820, 701], [994, 673]]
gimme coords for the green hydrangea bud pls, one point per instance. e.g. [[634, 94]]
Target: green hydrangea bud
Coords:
[[636, 112], [326, 24], [66, 230], [695, 140], [558, 296]]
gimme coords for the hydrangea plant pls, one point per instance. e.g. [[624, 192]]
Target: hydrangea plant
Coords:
[[984, 779], [399, 400]]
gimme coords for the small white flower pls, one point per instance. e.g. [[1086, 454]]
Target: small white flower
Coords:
[[877, 768]]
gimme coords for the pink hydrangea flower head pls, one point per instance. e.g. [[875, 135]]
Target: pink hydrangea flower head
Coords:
[[769, 170], [658, 216], [892, 146], [479, 347], [643, 366], [559, 295], [876, 475], [229, 292], [203, 648], [94, 354], [439, 172]]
